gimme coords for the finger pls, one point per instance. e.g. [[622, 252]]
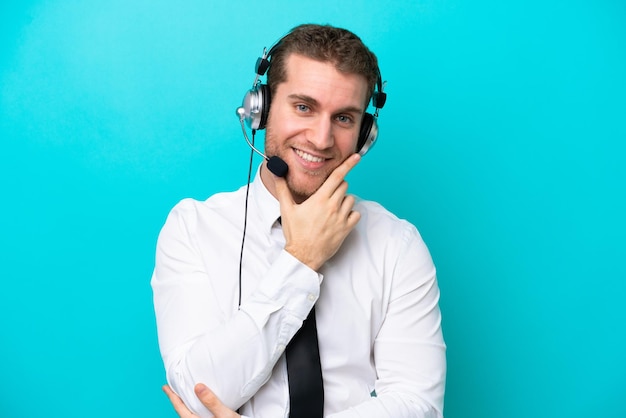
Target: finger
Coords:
[[347, 165], [338, 175], [282, 191], [347, 204], [348, 213], [212, 402], [340, 193], [353, 218], [178, 404]]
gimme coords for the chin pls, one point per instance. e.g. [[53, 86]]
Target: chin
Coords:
[[301, 191]]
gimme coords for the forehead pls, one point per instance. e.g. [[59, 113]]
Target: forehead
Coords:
[[322, 80]]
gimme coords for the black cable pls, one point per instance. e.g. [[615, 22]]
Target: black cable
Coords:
[[245, 218]]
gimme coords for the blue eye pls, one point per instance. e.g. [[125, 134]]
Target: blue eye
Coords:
[[302, 108], [344, 119]]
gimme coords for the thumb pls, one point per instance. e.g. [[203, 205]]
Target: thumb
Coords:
[[282, 191]]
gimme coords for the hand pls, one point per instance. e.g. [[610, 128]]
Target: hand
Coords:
[[315, 229], [208, 399]]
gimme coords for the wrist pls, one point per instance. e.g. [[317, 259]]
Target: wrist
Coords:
[[305, 257]]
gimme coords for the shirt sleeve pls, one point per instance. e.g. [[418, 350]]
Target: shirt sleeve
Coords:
[[409, 350], [233, 354]]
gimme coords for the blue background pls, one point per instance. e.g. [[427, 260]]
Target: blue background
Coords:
[[502, 140]]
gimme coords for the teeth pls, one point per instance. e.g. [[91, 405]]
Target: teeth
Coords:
[[309, 157]]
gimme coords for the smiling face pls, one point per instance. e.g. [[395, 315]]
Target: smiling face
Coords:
[[313, 123]]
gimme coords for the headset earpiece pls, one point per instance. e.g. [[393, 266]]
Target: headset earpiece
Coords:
[[266, 99], [369, 125], [367, 134], [256, 104]]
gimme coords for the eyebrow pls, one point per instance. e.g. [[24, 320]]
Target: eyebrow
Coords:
[[314, 102]]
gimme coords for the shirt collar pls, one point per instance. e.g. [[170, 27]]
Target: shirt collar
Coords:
[[265, 206]]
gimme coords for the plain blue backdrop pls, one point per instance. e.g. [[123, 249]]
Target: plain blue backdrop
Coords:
[[503, 141]]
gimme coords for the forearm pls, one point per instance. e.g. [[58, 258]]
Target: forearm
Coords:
[[202, 361], [234, 353], [392, 405], [406, 387]]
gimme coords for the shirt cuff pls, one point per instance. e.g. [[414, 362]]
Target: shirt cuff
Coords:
[[288, 285]]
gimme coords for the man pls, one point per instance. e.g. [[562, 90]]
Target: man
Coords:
[[310, 248]]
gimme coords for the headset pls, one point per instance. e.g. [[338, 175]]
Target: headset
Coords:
[[254, 110]]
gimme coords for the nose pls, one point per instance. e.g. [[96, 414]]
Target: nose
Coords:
[[321, 134]]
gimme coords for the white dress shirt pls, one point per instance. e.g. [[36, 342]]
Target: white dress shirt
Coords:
[[378, 320]]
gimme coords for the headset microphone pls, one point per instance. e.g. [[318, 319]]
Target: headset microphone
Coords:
[[275, 164], [278, 166]]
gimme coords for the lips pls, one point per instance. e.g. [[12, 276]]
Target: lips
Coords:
[[309, 157]]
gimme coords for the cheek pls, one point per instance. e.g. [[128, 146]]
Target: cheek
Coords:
[[280, 125], [347, 144]]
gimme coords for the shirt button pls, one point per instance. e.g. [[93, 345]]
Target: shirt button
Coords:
[[311, 297], [280, 348]]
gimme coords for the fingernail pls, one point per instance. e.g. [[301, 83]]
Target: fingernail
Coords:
[[200, 388]]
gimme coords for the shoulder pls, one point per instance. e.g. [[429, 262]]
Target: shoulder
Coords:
[[392, 247], [189, 213], [376, 219], [219, 202]]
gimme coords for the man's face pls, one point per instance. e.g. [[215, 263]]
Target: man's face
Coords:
[[314, 122]]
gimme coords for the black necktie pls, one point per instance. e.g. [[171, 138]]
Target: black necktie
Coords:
[[306, 390]]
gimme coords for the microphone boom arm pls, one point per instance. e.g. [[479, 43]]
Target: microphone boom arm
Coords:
[[275, 164]]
